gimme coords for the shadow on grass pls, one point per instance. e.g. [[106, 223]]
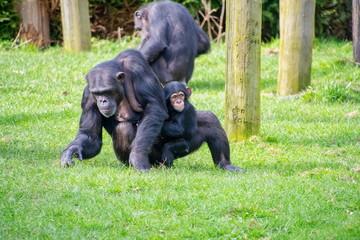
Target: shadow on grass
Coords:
[[310, 168], [354, 94], [39, 156], [29, 155], [37, 153], [57, 116], [206, 85], [31, 136], [336, 140], [267, 84]]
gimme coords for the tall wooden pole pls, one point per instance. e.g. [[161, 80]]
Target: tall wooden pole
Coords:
[[296, 42], [35, 22], [356, 30], [76, 25], [242, 87]]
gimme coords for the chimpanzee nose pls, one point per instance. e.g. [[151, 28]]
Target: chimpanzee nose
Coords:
[[103, 101]]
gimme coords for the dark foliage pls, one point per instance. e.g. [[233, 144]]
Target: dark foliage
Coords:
[[9, 19], [332, 17], [270, 19]]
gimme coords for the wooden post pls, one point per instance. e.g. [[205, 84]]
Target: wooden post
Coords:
[[356, 30], [35, 27], [76, 25], [242, 86], [296, 42]]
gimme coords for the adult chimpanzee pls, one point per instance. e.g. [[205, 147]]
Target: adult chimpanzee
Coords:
[[180, 127], [170, 40], [122, 96], [186, 130]]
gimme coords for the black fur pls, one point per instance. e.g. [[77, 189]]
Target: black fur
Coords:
[[184, 132], [170, 40], [136, 122], [179, 129]]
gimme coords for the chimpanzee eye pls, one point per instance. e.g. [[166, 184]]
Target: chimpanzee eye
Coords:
[[182, 95]]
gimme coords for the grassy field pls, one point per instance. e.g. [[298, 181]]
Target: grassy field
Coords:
[[303, 171]]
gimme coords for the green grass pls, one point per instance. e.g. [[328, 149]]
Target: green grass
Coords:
[[303, 170]]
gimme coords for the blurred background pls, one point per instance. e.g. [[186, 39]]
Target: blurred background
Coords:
[[113, 19]]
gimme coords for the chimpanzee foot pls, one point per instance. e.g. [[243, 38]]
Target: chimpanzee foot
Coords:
[[233, 168], [168, 163]]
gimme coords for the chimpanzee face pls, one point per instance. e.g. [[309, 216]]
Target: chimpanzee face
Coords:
[[107, 91], [177, 101], [176, 94], [106, 102]]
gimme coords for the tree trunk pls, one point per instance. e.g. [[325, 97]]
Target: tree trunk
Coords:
[[76, 25], [356, 30], [296, 42], [242, 88], [35, 22]]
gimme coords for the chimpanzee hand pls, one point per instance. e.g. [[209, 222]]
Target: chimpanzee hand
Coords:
[[67, 154], [139, 161], [233, 168]]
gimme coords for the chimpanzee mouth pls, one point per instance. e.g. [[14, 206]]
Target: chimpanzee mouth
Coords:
[[108, 113]]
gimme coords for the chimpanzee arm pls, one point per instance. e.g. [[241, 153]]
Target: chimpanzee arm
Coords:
[[183, 125], [190, 121], [155, 43], [88, 140], [147, 132], [173, 149], [172, 129], [181, 145]]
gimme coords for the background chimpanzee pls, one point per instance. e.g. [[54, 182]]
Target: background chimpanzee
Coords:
[[185, 131], [180, 127], [170, 40], [122, 96]]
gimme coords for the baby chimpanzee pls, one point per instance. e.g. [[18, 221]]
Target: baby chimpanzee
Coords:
[[186, 130], [181, 125]]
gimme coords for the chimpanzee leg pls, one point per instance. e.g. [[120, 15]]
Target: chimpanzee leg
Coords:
[[122, 136], [173, 149], [167, 156], [210, 128]]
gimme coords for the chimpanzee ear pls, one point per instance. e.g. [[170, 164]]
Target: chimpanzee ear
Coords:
[[120, 76], [138, 14], [87, 78], [189, 91]]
